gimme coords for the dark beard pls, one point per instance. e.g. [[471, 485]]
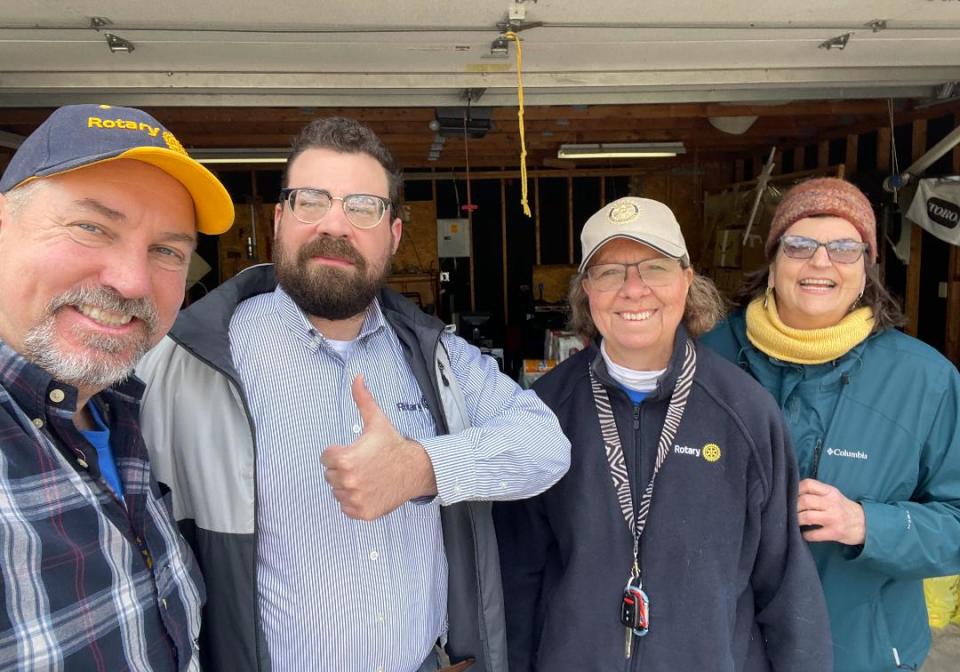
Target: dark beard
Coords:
[[324, 292]]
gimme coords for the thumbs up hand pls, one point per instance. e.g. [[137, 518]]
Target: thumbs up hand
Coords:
[[381, 469]]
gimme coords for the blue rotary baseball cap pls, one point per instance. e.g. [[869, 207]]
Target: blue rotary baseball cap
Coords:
[[75, 136]]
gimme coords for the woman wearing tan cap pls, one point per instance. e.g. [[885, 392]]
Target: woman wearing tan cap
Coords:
[[672, 544], [874, 416]]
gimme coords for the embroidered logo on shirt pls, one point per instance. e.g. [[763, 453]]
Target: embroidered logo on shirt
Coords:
[[852, 454], [711, 452], [413, 406]]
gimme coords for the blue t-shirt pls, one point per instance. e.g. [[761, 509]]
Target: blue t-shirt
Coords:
[[99, 438], [635, 396]]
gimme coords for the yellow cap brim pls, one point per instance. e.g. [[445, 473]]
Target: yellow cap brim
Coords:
[[211, 202]]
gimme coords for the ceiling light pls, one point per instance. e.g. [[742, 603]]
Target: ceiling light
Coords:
[[732, 125], [621, 150], [242, 159], [229, 155], [10, 140]]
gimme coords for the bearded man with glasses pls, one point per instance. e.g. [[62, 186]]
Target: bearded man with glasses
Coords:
[[335, 450], [875, 420]]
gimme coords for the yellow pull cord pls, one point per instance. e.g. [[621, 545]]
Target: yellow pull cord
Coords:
[[510, 35]]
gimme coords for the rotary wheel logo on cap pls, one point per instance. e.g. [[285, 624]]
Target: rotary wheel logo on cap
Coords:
[[622, 213], [173, 143]]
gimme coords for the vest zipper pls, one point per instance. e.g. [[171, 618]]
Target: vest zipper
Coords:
[[443, 376]]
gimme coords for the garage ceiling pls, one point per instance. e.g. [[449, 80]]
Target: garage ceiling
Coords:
[[239, 73]]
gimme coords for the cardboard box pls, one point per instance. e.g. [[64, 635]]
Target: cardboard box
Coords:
[[534, 369], [752, 257], [558, 345], [728, 281], [729, 248]]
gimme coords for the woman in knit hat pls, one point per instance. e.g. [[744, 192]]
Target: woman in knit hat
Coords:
[[874, 416]]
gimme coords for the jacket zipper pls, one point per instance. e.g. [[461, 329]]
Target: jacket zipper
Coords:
[[238, 388], [817, 452]]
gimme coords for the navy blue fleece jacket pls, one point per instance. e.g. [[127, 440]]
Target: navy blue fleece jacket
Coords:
[[732, 585]]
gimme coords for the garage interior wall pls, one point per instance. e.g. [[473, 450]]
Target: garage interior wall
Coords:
[[508, 247]]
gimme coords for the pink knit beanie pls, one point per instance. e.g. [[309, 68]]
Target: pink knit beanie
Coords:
[[825, 196]]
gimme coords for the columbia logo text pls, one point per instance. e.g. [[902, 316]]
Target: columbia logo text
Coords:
[[852, 454]]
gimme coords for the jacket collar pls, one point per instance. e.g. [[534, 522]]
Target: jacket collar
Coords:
[[751, 358], [204, 327], [665, 383]]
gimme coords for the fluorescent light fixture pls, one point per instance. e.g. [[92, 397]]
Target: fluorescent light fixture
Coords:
[[621, 150], [241, 155], [241, 159], [10, 140]]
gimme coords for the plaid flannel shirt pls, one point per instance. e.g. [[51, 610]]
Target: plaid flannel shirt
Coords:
[[86, 582]]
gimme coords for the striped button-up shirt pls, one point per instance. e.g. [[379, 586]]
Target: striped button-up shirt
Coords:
[[86, 582], [343, 594]]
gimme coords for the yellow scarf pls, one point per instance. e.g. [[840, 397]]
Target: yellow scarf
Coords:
[[804, 346]]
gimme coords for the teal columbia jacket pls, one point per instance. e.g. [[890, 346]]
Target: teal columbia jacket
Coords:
[[882, 424]]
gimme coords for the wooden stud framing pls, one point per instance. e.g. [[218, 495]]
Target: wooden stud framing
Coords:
[[952, 344], [883, 149], [883, 164], [503, 234], [853, 142], [570, 219], [799, 157], [536, 221], [473, 260], [912, 299]]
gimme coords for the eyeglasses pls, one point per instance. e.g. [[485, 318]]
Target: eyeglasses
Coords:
[[654, 273], [843, 251], [308, 205]]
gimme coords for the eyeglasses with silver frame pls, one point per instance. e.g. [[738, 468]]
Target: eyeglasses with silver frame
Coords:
[[654, 273], [843, 251], [309, 205]]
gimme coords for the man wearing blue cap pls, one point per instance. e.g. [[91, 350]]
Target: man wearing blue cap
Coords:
[[99, 213]]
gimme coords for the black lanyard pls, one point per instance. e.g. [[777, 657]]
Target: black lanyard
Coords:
[[611, 443]]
